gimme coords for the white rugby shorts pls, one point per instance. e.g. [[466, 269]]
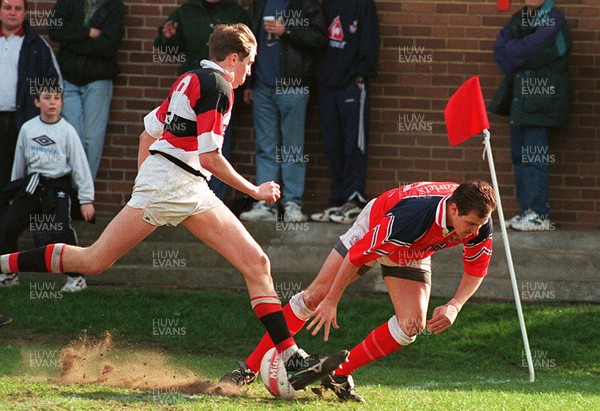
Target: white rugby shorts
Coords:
[[168, 194]]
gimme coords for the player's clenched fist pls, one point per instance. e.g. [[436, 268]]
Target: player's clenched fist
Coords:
[[268, 192]]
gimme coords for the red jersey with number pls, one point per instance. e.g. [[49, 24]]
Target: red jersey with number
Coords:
[[409, 223], [192, 120]]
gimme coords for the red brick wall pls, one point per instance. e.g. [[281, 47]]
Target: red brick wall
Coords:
[[453, 40]]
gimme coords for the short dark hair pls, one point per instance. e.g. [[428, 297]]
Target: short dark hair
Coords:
[[51, 90], [475, 195], [230, 38]]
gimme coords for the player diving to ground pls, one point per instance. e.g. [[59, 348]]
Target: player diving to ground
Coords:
[[400, 230]]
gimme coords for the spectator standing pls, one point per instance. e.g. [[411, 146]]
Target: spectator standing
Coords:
[[90, 34], [343, 76], [186, 33], [289, 34], [49, 158], [26, 62], [532, 50]]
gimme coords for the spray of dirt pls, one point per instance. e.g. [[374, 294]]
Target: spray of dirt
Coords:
[[97, 361]]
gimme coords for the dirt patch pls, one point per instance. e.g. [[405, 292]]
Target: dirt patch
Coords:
[[90, 360]]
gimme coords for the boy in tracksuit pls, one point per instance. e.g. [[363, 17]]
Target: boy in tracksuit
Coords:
[[48, 157], [343, 75]]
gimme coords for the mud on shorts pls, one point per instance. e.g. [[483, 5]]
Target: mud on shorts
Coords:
[[415, 270], [168, 194]]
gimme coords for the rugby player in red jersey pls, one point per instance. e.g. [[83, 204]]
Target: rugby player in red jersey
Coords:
[[400, 230]]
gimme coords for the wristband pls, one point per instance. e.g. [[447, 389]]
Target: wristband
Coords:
[[455, 303]]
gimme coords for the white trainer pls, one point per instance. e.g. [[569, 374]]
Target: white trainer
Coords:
[[347, 214], [74, 284], [9, 280], [517, 218], [260, 211], [533, 222], [293, 213], [324, 216]]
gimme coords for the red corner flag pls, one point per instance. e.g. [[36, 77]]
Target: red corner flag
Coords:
[[465, 112]]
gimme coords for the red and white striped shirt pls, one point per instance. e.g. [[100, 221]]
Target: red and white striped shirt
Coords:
[[193, 119]]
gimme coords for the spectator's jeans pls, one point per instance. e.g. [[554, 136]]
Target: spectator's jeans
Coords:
[[531, 162], [86, 108], [279, 115]]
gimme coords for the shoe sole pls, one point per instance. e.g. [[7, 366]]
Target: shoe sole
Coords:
[[301, 380], [6, 323]]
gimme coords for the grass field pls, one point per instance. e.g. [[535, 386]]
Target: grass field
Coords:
[[478, 364]]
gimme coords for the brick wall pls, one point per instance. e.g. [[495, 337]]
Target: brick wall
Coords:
[[428, 49]]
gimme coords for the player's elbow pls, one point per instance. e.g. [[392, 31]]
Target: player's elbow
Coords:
[[209, 161]]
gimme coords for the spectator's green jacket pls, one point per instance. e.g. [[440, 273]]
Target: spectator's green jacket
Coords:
[[533, 50], [195, 21]]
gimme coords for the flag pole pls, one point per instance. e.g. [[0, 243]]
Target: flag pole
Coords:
[[511, 268]]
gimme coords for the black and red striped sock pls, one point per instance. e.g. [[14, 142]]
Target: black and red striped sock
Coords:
[[294, 324], [47, 259], [269, 312]]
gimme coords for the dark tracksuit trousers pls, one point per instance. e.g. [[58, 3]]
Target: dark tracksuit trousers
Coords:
[[345, 118], [47, 215]]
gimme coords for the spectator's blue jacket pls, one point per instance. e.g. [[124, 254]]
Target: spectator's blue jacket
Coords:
[[353, 49], [37, 67], [533, 50]]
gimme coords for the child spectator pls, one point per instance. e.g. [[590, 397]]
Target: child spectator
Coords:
[[49, 157]]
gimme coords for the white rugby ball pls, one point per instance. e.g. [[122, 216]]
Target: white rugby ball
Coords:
[[274, 376]]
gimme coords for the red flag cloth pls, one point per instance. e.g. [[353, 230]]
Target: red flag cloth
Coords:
[[503, 5], [465, 112]]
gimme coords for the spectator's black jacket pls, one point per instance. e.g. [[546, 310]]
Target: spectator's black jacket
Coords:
[[300, 43], [83, 59]]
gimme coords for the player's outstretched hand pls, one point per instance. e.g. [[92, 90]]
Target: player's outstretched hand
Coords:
[[442, 318], [87, 211], [324, 315], [269, 192]]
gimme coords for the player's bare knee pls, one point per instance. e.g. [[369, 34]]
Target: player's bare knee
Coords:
[[412, 326], [399, 334], [92, 265], [259, 268]]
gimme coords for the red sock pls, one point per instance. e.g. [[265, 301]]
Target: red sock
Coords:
[[294, 324], [378, 343]]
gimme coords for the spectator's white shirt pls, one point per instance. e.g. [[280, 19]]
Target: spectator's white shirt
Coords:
[[53, 150]]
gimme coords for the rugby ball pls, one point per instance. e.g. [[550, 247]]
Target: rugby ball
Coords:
[[274, 376]]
